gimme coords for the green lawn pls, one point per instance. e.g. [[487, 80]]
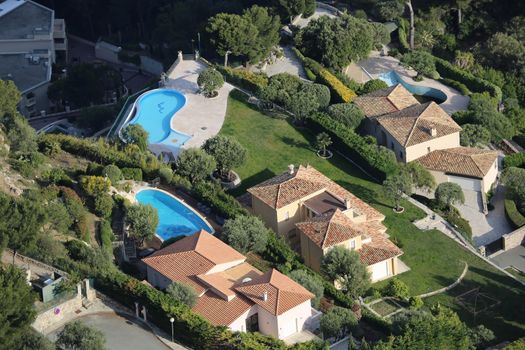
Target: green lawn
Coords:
[[434, 259]]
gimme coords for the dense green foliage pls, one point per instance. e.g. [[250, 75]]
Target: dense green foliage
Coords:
[[135, 134], [338, 322], [142, 220], [195, 164], [396, 288], [474, 135], [347, 114], [209, 81], [373, 85], [344, 267], [312, 282], [227, 152], [245, 234], [16, 303], [449, 193], [245, 79], [112, 172], [182, 293], [79, 336], [335, 42]]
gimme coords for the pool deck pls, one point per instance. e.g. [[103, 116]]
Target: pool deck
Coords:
[[376, 64], [201, 117]]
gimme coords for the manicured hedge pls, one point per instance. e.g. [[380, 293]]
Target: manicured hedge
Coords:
[[214, 196], [132, 174], [456, 85], [369, 156], [253, 82], [473, 83], [340, 92], [515, 217], [515, 160]]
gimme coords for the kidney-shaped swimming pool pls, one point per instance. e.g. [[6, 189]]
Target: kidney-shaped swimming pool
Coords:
[[175, 217]]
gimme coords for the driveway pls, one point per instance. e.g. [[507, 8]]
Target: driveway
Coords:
[[121, 333], [512, 257], [485, 228]]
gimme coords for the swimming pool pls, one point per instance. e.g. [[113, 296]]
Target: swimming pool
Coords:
[[392, 78], [154, 110], [175, 217]]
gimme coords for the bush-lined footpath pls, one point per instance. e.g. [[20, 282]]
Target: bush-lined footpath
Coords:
[[340, 92], [515, 217], [473, 83], [253, 82], [379, 161]]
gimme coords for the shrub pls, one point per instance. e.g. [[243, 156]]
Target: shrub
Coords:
[[183, 293], [112, 172], [514, 160], [339, 91], [49, 147], [416, 302], [376, 160], [456, 85], [57, 176], [309, 74], [421, 61], [210, 80], [214, 196], [474, 84], [309, 8], [473, 135], [397, 288], [373, 85], [94, 185], [253, 82], [227, 152], [461, 224], [402, 34], [337, 322], [320, 92], [143, 221], [347, 114], [132, 174], [165, 175], [106, 235], [104, 205], [511, 211]]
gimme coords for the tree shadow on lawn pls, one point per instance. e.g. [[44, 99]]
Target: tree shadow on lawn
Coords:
[[253, 180], [296, 143], [366, 194]]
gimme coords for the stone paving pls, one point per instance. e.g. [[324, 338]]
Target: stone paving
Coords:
[[513, 257], [289, 63], [376, 64], [201, 117]]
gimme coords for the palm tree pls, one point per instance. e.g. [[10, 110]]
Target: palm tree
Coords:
[[323, 140]]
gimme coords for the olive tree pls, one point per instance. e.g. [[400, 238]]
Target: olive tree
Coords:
[[143, 221], [395, 186], [345, 268], [135, 134], [246, 233], [227, 152], [449, 193], [195, 164], [77, 335], [210, 80], [183, 293], [338, 322], [312, 282]]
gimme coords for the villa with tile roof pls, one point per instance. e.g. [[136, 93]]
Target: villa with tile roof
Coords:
[[232, 292], [305, 205], [425, 132], [472, 168]]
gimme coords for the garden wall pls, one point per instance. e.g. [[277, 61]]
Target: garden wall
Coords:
[[513, 239]]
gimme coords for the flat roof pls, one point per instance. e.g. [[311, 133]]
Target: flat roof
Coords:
[[23, 19], [23, 72], [324, 203]]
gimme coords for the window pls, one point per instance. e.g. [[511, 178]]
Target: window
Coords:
[[352, 244], [391, 145], [401, 155], [287, 216], [59, 40], [428, 149]]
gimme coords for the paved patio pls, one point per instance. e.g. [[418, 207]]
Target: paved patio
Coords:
[[319, 12], [376, 64], [201, 117], [289, 63]]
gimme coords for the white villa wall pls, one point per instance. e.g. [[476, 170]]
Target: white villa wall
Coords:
[[421, 149], [491, 176], [267, 323], [293, 320], [157, 279], [240, 323]]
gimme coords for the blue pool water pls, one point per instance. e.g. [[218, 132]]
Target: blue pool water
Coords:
[[175, 218], [392, 78], [154, 110]]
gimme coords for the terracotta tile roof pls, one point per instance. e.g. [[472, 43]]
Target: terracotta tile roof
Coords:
[[219, 311], [331, 229], [379, 248], [413, 125], [385, 101], [283, 293], [205, 244], [287, 188], [191, 256], [473, 162], [223, 281]]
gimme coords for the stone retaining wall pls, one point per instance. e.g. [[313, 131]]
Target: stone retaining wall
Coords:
[[514, 238]]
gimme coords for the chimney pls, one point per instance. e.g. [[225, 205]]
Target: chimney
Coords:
[[347, 203], [433, 131], [291, 169], [265, 296]]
